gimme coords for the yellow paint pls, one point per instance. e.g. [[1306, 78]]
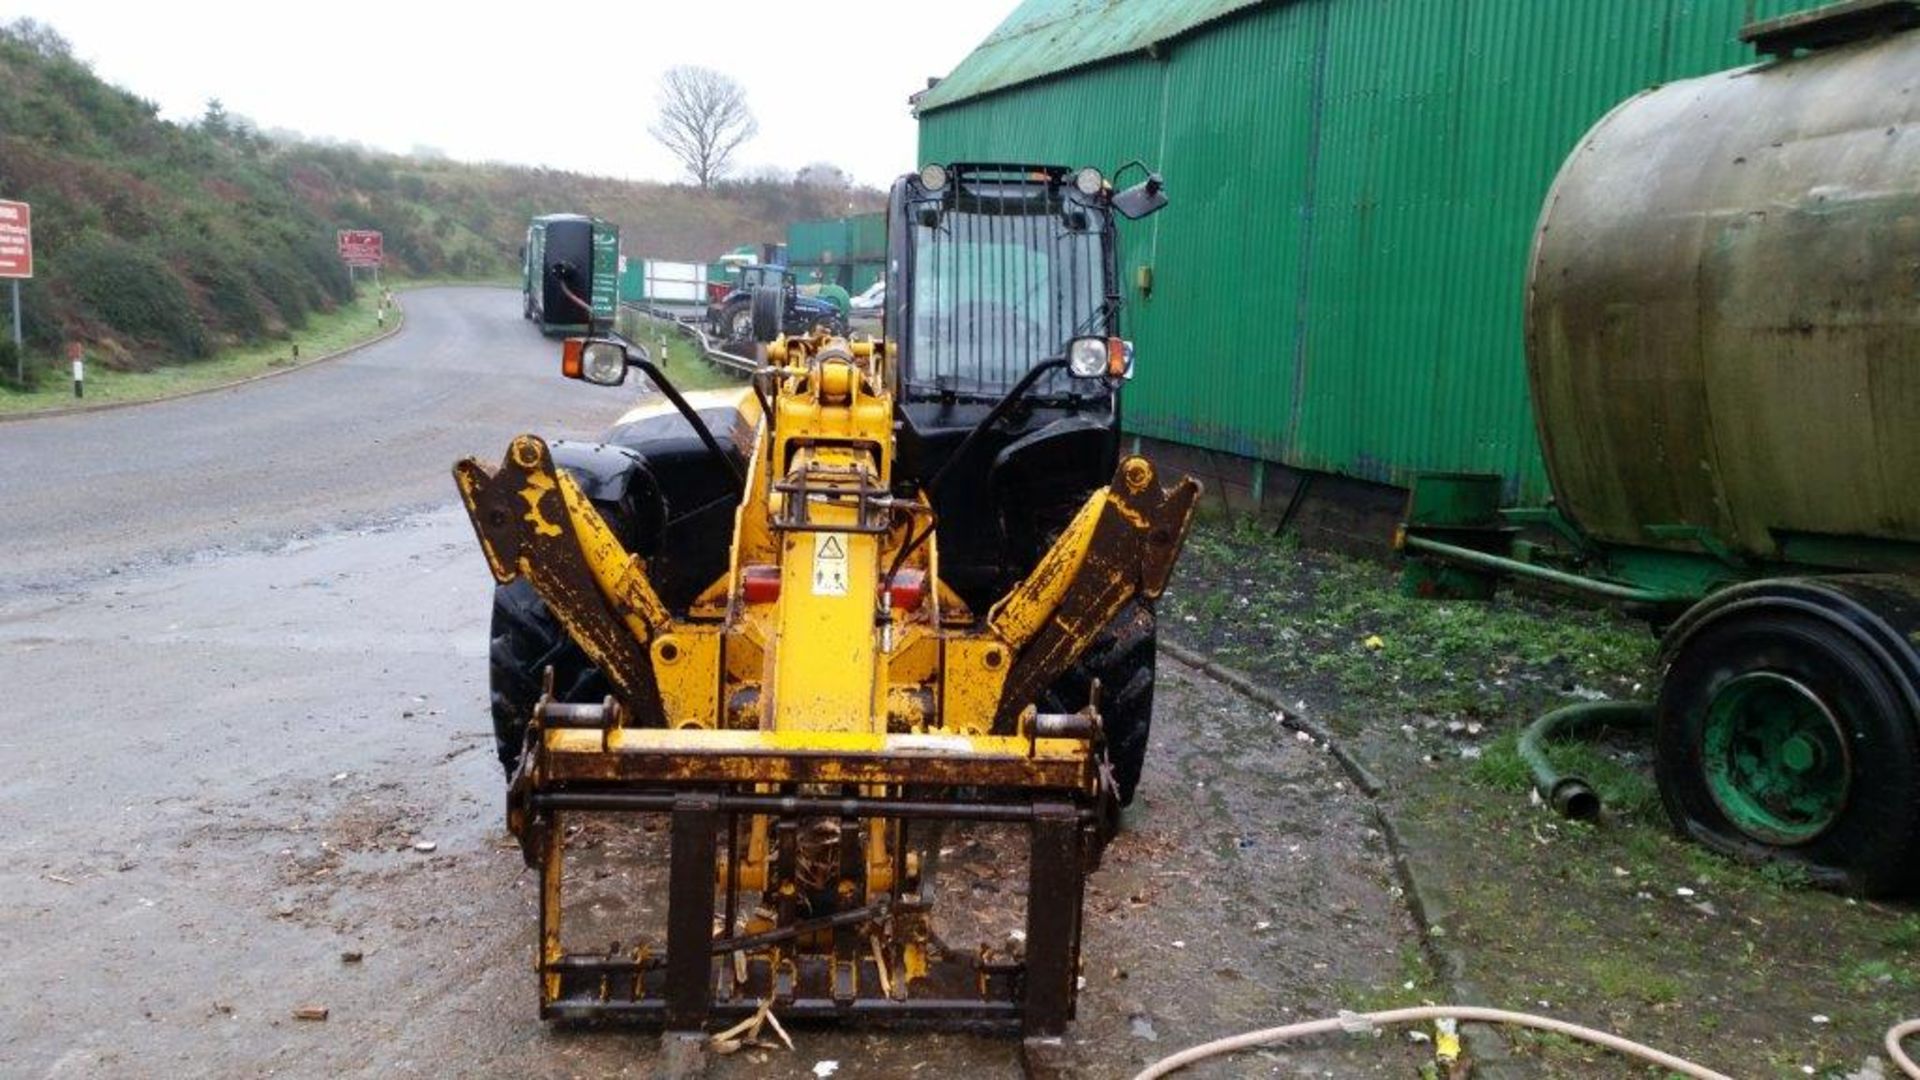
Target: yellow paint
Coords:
[[825, 684], [686, 665], [538, 487], [622, 576], [1021, 613], [967, 703]]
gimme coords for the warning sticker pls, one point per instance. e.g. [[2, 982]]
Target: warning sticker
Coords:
[[829, 564]]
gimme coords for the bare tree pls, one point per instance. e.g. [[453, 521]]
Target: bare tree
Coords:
[[703, 119]]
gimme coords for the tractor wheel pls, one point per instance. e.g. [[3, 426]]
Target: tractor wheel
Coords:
[[736, 321], [1782, 736], [526, 640], [1122, 658]]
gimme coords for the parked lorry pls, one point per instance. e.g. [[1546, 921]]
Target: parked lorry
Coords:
[[1723, 346], [563, 248]]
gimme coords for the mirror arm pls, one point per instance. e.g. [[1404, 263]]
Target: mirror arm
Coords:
[[700, 427], [993, 416]]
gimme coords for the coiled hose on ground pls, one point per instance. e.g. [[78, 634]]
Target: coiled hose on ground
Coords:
[[1571, 796], [1476, 1014]]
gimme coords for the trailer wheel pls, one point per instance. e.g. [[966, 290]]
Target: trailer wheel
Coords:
[[526, 640], [1122, 658], [1782, 736]]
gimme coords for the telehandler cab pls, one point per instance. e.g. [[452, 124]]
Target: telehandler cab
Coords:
[[889, 587]]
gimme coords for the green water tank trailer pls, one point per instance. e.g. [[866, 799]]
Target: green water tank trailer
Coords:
[[1723, 347]]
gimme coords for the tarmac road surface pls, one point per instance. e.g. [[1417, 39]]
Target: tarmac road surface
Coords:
[[347, 441], [243, 642]]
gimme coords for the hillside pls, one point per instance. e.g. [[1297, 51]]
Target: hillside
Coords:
[[158, 242]]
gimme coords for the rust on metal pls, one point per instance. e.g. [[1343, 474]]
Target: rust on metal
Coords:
[[1132, 549], [523, 525]]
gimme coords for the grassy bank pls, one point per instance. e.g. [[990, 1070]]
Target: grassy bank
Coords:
[[1618, 923], [325, 333], [677, 351]]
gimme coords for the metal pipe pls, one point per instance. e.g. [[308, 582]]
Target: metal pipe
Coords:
[[945, 1009], [1571, 796], [1502, 564], [662, 384], [1080, 725], [749, 942], [789, 805]]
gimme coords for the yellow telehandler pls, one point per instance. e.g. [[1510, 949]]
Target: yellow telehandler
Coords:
[[891, 586]]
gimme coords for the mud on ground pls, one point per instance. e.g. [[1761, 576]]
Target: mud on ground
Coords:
[[1617, 924], [280, 792]]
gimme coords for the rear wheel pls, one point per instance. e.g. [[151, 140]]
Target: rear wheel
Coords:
[[1122, 658], [527, 639], [1781, 736], [736, 321]]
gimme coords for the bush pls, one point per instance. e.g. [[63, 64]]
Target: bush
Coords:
[[272, 270], [224, 282], [29, 376], [137, 294]]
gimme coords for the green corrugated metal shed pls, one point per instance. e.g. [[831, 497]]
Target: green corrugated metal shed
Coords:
[[838, 240], [815, 242], [1337, 283], [867, 236]]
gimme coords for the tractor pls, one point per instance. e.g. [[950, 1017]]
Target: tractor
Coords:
[[730, 318], [888, 590]]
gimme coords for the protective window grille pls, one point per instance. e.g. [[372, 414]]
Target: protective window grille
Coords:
[[1002, 281]]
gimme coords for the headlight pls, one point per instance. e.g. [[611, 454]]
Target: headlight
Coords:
[[604, 363], [1087, 357], [933, 176], [1088, 181]]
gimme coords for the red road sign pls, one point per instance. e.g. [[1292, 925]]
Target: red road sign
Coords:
[[360, 247], [16, 240]]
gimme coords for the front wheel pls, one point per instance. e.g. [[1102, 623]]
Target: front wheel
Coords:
[[527, 639], [1122, 658], [1782, 737]]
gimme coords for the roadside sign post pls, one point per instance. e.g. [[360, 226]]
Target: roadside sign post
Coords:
[[16, 262], [361, 247]]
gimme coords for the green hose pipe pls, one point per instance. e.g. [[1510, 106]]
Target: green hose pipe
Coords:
[[1572, 796]]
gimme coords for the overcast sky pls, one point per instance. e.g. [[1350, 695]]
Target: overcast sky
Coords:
[[481, 82]]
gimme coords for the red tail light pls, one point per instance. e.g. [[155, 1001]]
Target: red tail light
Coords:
[[760, 584], [908, 589]]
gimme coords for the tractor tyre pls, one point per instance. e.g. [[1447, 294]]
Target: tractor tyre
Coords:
[[735, 323], [527, 639], [1782, 737], [1122, 658], [768, 319]]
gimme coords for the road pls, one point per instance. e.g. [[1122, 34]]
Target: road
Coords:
[[360, 439], [243, 637]]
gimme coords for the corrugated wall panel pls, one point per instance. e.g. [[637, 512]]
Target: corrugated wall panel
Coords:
[[1238, 134], [1338, 282]]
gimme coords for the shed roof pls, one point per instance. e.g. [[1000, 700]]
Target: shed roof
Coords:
[[1045, 37]]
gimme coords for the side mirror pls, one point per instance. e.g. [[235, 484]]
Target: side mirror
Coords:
[[602, 363], [1143, 198], [769, 312]]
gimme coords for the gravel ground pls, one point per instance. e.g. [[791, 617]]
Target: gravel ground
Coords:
[[244, 699]]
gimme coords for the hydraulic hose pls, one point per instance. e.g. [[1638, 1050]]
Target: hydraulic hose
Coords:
[[1571, 796], [1900, 1033], [1363, 1022], [1421, 1014]]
